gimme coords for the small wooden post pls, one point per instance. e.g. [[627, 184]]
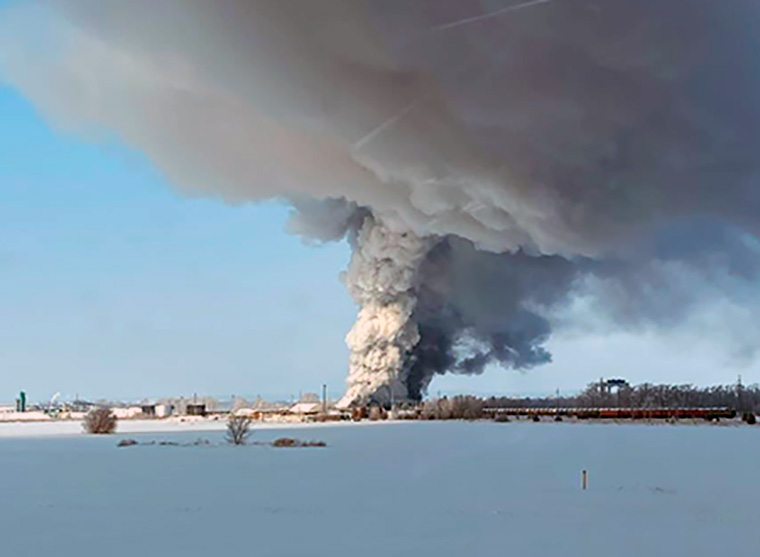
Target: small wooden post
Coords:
[[585, 480]]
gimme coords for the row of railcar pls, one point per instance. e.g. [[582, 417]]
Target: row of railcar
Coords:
[[619, 413]]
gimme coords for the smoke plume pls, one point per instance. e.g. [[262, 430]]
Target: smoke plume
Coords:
[[383, 279], [490, 161]]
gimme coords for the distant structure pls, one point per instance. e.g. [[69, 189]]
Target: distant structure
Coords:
[[155, 410], [21, 402], [615, 383], [306, 408], [196, 409]]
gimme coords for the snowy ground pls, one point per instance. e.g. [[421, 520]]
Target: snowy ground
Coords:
[[188, 425], [417, 489]]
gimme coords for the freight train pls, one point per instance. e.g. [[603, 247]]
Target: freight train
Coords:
[[618, 413]]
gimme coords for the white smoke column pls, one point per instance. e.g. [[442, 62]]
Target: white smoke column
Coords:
[[383, 278]]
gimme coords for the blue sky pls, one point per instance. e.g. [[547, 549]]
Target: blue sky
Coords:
[[114, 285]]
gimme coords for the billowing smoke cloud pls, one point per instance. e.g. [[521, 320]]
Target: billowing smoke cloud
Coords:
[[489, 159], [383, 277]]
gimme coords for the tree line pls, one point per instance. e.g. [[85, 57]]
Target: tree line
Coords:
[[646, 395]]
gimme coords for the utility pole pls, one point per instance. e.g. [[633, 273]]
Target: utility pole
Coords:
[[324, 398], [390, 387], [739, 393]]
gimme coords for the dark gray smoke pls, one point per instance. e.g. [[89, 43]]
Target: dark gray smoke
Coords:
[[476, 308], [525, 154]]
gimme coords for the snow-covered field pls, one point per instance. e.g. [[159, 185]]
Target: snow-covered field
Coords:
[[417, 489], [186, 425]]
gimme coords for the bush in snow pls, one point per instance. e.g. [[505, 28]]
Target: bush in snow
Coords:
[[99, 421]]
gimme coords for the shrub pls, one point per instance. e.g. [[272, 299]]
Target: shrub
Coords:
[[238, 429], [501, 418], [749, 417], [288, 442], [100, 421], [284, 442], [376, 413]]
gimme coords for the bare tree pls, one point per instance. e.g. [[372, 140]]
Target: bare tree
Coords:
[[461, 407], [99, 421], [238, 429]]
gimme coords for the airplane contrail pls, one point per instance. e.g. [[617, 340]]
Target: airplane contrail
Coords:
[[490, 15]]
